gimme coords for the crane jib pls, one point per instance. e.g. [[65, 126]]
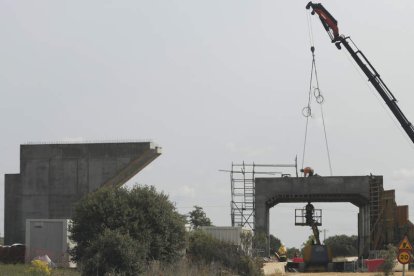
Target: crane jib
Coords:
[[330, 24]]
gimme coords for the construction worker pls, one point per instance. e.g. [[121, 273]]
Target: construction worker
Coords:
[[309, 213], [307, 171], [282, 253]]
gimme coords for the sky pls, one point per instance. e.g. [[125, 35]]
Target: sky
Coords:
[[211, 82]]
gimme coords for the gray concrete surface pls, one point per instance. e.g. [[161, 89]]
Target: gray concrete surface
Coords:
[[53, 177], [354, 189]]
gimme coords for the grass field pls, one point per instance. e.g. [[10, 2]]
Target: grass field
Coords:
[[20, 269]]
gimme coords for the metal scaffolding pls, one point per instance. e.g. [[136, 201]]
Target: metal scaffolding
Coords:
[[376, 212], [242, 177]]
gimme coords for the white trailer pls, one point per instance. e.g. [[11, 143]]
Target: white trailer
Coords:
[[48, 237]]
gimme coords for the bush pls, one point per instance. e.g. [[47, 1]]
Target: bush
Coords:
[[274, 244], [343, 245], [115, 253], [203, 248], [128, 226], [390, 260]]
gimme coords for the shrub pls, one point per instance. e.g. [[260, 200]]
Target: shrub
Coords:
[[390, 260], [203, 248], [115, 253], [128, 226]]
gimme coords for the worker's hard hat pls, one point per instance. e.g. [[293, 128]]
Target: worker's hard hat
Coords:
[[307, 169]]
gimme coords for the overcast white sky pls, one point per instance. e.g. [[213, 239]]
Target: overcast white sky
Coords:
[[211, 82]]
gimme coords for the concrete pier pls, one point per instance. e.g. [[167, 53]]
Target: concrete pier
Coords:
[[53, 177]]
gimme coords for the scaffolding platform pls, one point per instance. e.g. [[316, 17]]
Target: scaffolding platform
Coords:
[[242, 178]]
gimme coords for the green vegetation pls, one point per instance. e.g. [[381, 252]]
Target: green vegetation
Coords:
[[139, 232], [343, 245], [119, 231], [390, 259], [203, 249], [274, 244], [198, 218], [184, 267], [293, 252], [259, 243]]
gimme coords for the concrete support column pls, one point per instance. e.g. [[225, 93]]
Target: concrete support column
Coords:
[[364, 229], [262, 228], [13, 204]]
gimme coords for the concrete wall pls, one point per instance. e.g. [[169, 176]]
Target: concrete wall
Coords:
[[53, 177], [354, 189]]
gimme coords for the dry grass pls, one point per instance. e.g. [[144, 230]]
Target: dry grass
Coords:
[[407, 273], [21, 269], [185, 268]]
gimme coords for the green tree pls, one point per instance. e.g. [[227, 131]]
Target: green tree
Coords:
[[114, 252], [343, 245], [198, 218], [390, 260], [309, 241], [274, 244], [293, 252], [141, 217]]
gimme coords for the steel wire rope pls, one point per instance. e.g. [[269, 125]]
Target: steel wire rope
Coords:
[[323, 117], [307, 111], [310, 30]]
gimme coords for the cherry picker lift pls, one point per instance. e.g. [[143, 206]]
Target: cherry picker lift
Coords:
[[316, 256]]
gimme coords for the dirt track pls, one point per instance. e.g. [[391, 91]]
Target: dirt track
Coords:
[[274, 268], [409, 273]]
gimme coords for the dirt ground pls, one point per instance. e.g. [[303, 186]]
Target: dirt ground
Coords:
[[407, 273], [277, 269]]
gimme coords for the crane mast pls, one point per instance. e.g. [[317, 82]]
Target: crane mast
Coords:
[[331, 26]]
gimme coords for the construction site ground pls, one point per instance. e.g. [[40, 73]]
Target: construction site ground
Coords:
[[276, 268], [407, 273]]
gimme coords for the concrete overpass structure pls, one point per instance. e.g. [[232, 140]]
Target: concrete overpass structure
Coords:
[[53, 177], [362, 191]]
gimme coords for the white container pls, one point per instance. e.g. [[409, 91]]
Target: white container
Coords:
[[225, 233], [48, 237]]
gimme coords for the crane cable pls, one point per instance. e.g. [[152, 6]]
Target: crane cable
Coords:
[[307, 111]]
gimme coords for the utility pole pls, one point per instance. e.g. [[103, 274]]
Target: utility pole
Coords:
[[324, 234]]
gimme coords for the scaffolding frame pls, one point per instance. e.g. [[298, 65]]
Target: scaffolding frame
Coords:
[[376, 212], [242, 178]]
